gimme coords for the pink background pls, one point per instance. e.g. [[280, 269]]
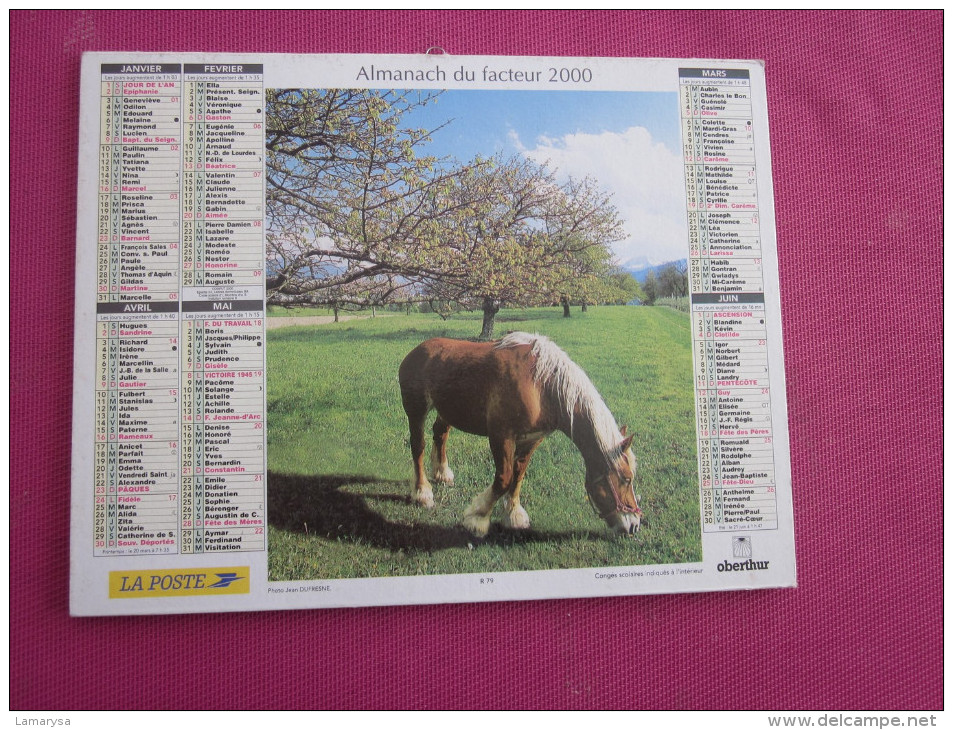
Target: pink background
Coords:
[[856, 120]]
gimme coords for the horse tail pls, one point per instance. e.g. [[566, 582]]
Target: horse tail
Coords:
[[413, 392]]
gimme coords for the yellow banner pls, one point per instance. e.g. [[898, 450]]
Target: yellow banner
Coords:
[[179, 582]]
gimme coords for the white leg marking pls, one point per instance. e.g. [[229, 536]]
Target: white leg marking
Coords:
[[515, 517], [422, 494], [477, 517], [441, 470]]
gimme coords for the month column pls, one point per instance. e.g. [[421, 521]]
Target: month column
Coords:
[[136, 478], [223, 358], [733, 398]]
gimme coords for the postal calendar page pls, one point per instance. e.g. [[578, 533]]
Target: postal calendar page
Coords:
[[370, 330]]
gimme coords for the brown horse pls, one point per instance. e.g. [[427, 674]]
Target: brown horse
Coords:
[[515, 392]]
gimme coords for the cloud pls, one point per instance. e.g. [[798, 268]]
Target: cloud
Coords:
[[645, 178]]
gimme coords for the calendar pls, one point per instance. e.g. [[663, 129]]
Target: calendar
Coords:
[[371, 330]]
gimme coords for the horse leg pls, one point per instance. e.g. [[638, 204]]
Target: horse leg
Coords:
[[441, 471], [515, 517], [477, 517], [421, 492]]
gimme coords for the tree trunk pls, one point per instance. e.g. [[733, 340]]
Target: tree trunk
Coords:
[[335, 312], [490, 308], [566, 312], [585, 307]]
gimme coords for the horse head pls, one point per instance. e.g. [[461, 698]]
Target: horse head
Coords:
[[611, 492]]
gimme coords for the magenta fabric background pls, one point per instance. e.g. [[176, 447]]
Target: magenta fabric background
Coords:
[[856, 123]]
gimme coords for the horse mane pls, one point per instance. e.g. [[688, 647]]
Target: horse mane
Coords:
[[570, 385]]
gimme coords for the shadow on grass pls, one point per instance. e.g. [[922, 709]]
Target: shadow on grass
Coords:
[[318, 507]]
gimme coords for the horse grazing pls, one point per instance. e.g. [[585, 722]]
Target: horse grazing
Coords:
[[515, 391]]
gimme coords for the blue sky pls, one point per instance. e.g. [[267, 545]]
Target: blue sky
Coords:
[[628, 141]]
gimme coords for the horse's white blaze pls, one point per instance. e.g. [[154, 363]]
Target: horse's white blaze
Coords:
[[623, 522]]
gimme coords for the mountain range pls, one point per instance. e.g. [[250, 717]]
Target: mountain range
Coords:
[[640, 267]]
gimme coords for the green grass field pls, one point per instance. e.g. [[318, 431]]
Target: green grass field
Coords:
[[339, 463]]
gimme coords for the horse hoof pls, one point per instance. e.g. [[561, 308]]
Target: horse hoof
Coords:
[[516, 519], [444, 477], [423, 498], [476, 525]]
